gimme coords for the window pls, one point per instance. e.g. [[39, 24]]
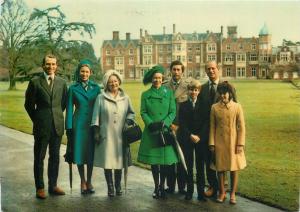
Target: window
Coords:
[[211, 47], [108, 52], [147, 49], [241, 72], [178, 57], [119, 52], [284, 56], [108, 61], [131, 61], [228, 47], [190, 59], [131, 73], [253, 72], [121, 71], [131, 51], [197, 48], [178, 47], [240, 46], [169, 59], [228, 72], [118, 60], [241, 57], [253, 57], [197, 58], [147, 59], [253, 46], [190, 48], [228, 57], [160, 48], [211, 57], [169, 48], [190, 73], [160, 59]]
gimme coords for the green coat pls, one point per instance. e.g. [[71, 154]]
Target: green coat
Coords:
[[156, 105]]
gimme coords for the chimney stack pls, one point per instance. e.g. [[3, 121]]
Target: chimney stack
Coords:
[[174, 30], [222, 30], [115, 35], [164, 30], [146, 32], [127, 35], [141, 33]]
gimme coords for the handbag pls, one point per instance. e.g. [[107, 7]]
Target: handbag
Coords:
[[166, 138], [132, 133]]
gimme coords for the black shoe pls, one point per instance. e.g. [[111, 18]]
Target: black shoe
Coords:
[[170, 190], [162, 193], [155, 194], [202, 199], [188, 196]]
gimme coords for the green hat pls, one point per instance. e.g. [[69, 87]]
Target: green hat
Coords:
[[84, 62], [149, 74]]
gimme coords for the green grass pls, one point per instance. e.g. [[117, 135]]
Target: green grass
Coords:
[[272, 138]]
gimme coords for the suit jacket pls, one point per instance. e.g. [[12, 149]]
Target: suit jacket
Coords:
[[205, 104], [190, 121], [44, 107]]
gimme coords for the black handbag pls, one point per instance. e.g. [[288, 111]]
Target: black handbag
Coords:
[[132, 133], [166, 138]]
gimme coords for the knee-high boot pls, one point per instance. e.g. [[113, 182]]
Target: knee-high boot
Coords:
[[118, 176], [155, 174], [163, 175], [110, 183]]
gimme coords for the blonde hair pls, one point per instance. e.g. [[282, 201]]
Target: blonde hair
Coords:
[[194, 84]]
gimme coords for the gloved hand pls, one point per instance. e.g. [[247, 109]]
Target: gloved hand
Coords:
[[156, 126], [96, 134]]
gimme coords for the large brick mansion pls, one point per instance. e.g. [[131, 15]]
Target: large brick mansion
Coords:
[[237, 57]]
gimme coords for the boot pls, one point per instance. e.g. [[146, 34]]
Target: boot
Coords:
[[155, 174], [118, 176], [109, 181], [163, 174]]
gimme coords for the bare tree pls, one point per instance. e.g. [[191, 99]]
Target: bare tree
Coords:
[[16, 31]]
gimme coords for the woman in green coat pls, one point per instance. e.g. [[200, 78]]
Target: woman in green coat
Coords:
[[80, 101], [158, 110]]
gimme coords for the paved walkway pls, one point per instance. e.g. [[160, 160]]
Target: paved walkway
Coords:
[[18, 192]]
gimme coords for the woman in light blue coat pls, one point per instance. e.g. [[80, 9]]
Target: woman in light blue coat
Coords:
[[80, 102]]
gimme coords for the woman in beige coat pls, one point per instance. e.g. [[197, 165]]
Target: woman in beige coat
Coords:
[[227, 139]]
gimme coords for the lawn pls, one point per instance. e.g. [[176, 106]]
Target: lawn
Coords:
[[273, 131]]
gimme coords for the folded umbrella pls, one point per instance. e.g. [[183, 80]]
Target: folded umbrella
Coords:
[[69, 155], [179, 151]]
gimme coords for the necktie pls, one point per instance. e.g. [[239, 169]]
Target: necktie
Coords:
[[212, 92], [85, 86], [50, 83]]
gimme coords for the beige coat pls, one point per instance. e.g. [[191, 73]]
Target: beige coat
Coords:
[[227, 130]]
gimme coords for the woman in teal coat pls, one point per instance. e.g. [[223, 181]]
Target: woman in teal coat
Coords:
[[80, 101], [158, 110]]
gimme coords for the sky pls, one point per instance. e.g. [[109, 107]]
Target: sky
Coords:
[[281, 17]]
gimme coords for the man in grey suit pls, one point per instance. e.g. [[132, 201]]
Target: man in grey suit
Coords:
[[178, 84], [207, 97], [45, 101]]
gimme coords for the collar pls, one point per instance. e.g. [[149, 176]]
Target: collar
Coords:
[[191, 100], [175, 83], [216, 82], [47, 76]]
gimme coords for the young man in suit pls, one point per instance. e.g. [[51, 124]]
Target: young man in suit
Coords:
[[45, 101], [207, 97], [178, 84], [190, 121]]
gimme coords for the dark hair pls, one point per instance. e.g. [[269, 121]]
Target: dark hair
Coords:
[[49, 56], [225, 87], [177, 62]]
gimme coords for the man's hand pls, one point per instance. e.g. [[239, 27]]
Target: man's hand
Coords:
[[239, 149], [174, 127], [195, 138]]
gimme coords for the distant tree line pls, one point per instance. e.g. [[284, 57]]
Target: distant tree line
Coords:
[[26, 37]]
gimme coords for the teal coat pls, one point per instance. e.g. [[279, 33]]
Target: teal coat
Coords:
[[156, 105], [79, 113]]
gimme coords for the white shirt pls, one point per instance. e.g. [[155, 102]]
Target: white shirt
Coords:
[[47, 77]]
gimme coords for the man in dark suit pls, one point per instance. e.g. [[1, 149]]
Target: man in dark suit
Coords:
[[207, 97], [45, 101]]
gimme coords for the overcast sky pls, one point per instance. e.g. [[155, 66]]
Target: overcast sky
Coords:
[[281, 17]]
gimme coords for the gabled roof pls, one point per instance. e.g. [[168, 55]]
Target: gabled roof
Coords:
[[124, 43]]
